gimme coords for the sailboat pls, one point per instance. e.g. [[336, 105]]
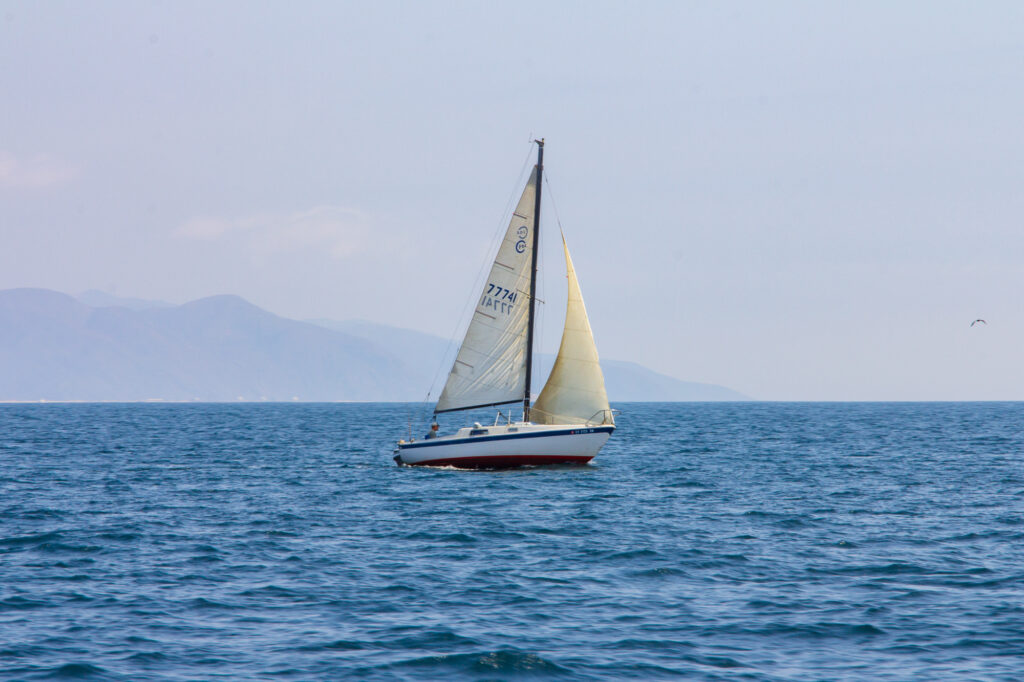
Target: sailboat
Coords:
[[571, 419]]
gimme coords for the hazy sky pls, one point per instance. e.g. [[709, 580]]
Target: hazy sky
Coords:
[[796, 200]]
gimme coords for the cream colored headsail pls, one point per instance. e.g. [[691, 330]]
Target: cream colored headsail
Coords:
[[574, 393], [490, 368]]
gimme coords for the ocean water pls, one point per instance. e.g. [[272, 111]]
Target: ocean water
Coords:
[[706, 541]]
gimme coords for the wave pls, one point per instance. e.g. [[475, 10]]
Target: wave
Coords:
[[485, 663]]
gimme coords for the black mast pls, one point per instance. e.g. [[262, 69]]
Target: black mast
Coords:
[[533, 279]]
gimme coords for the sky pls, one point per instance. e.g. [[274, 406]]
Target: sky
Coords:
[[797, 200]]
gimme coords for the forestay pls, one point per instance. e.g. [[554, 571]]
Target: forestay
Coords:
[[490, 368], [574, 393]]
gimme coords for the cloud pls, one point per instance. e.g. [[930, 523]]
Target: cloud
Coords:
[[340, 232], [35, 172]]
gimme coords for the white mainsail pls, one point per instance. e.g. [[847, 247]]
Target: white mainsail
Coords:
[[490, 368], [574, 392]]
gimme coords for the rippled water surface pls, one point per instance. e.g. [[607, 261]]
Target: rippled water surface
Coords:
[[713, 541]]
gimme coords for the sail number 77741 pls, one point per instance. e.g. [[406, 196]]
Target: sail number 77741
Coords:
[[498, 298]]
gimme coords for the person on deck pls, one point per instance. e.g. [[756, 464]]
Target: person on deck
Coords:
[[433, 431]]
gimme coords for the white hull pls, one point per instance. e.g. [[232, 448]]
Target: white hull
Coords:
[[508, 446]]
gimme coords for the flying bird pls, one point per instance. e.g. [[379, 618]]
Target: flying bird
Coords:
[[977, 321]]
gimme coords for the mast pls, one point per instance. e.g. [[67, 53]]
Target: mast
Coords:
[[533, 279]]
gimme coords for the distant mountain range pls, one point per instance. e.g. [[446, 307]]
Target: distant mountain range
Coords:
[[100, 347]]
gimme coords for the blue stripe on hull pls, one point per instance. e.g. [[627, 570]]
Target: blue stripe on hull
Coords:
[[500, 461], [434, 442]]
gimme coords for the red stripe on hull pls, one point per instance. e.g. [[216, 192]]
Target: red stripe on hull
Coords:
[[502, 461]]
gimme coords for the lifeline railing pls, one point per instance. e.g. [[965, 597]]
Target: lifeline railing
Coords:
[[599, 418]]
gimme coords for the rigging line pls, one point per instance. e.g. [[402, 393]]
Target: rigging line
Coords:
[[540, 316], [558, 219], [554, 205], [495, 240]]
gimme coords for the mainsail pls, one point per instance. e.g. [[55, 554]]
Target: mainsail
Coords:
[[574, 393], [490, 368]]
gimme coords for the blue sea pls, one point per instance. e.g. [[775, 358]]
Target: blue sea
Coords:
[[742, 541]]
